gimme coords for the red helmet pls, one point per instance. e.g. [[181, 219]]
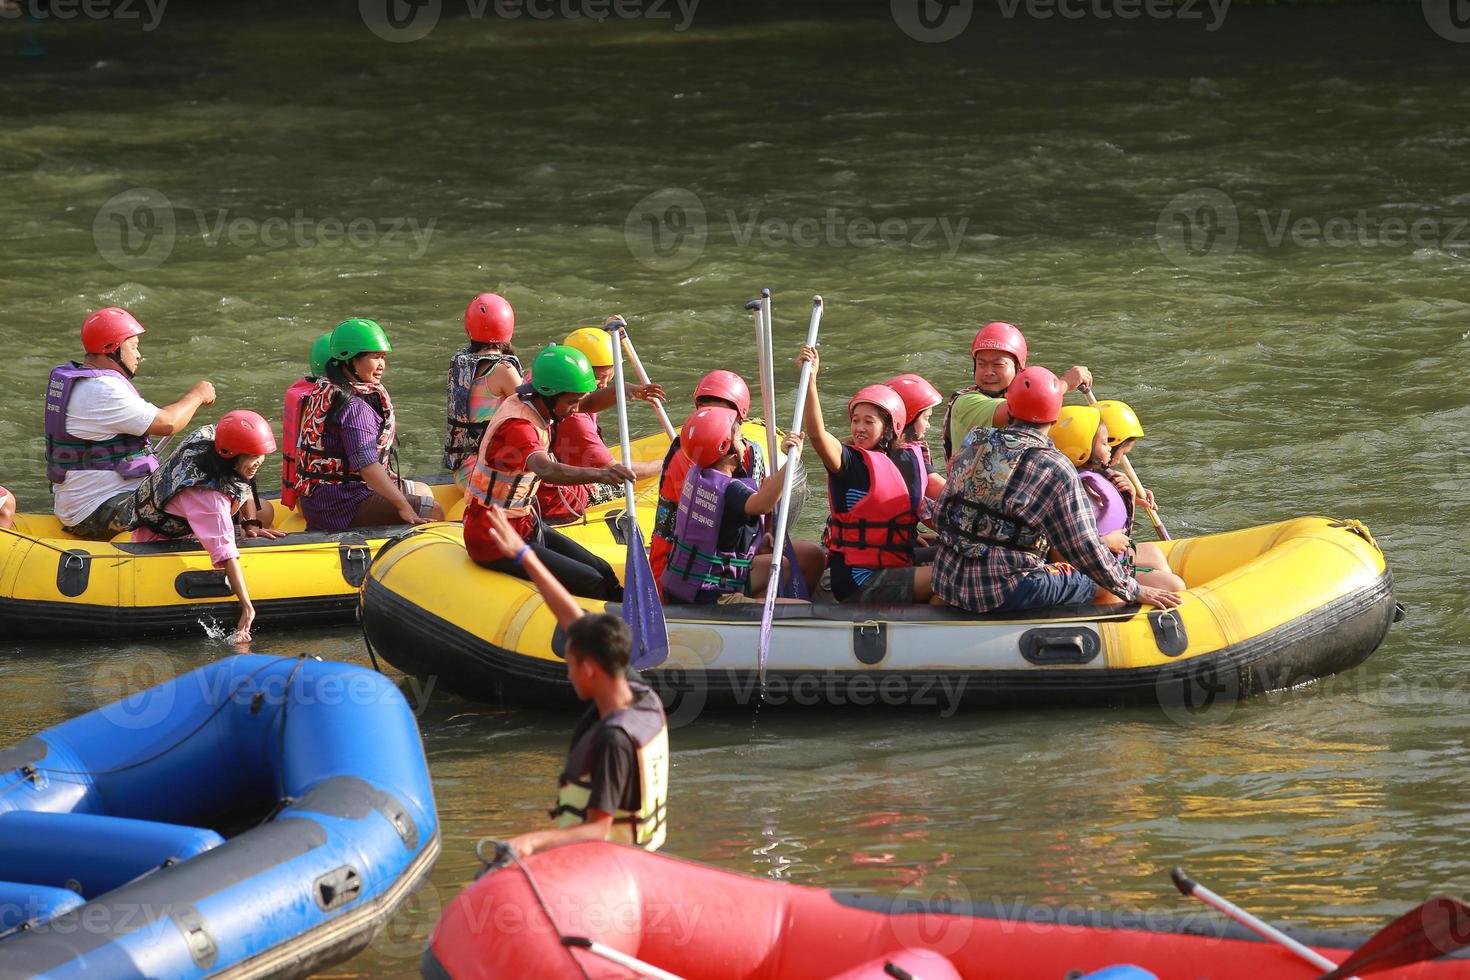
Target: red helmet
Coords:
[[917, 394], [1035, 396], [104, 331], [1002, 337], [885, 398], [489, 319], [243, 433], [708, 435], [725, 385]]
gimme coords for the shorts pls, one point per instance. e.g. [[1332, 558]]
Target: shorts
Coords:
[[422, 505], [114, 515], [1054, 584], [885, 587]]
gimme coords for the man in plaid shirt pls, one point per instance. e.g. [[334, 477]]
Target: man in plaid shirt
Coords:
[[1010, 496]]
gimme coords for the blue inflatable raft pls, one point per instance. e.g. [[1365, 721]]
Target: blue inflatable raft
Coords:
[[261, 816]]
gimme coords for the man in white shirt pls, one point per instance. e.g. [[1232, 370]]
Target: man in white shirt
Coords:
[[97, 428]]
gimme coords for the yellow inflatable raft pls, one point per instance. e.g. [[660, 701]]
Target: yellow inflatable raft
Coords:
[[1267, 608], [52, 584]]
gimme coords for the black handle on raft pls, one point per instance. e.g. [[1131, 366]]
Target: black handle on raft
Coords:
[[1182, 881]]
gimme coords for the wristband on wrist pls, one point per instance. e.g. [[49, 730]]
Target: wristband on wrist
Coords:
[[251, 522], [520, 556]]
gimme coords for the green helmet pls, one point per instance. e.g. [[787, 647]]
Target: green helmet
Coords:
[[357, 336], [319, 353], [560, 369]]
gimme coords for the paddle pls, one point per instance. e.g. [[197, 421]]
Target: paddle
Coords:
[[1433, 929], [1423, 933], [1189, 887], [793, 586], [658, 407], [642, 610], [1128, 471], [766, 357], [783, 511], [622, 959]]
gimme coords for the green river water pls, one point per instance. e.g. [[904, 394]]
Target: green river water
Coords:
[[1255, 232]]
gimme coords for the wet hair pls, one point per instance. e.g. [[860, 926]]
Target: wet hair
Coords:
[[604, 638]]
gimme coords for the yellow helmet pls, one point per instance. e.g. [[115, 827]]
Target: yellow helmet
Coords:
[[1075, 428], [1122, 421], [594, 342]]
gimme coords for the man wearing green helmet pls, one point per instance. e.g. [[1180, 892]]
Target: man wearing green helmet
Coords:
[[291, 420], [345, 446], [515, 457]]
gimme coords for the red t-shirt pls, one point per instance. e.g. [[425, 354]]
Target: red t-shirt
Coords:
[[577, 443], [512, 444]]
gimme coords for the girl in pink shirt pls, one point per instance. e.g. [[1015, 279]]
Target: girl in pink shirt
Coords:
[[200, 489]]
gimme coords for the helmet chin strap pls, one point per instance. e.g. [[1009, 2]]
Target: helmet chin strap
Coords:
[[993, 394], [116, 359]]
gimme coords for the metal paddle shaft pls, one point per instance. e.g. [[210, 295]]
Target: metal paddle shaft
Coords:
[[620, 958], [783, 511], [768, 376], [642, 611], [658, 406], [1190, 887], [1128, 471]]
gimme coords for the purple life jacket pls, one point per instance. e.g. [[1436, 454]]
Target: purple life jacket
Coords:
[[1112, 509], [697, 569], [130, 457]]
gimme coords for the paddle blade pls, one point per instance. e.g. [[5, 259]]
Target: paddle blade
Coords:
[[1439, 926], [793, 583], [642, 610]]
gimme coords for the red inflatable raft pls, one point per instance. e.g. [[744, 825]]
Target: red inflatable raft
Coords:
[[700, 922]]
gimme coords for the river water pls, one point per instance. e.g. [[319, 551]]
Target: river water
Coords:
[[1252, 228]]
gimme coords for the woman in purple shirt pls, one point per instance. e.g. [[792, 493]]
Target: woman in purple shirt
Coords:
[[345, 458]]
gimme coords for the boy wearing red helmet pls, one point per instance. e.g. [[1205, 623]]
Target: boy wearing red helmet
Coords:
[[721, 516], [876, 489], [482, 373], [920, 398], [1010, 496], [203, 487], [97, 427], [999, 354]]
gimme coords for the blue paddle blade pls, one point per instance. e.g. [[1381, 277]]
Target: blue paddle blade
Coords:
[[642, 610], [793, 583]]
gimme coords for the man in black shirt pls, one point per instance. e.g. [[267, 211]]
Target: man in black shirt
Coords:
[[615, 785]]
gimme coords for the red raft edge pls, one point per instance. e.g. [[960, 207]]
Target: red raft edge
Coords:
[[700, 922]]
